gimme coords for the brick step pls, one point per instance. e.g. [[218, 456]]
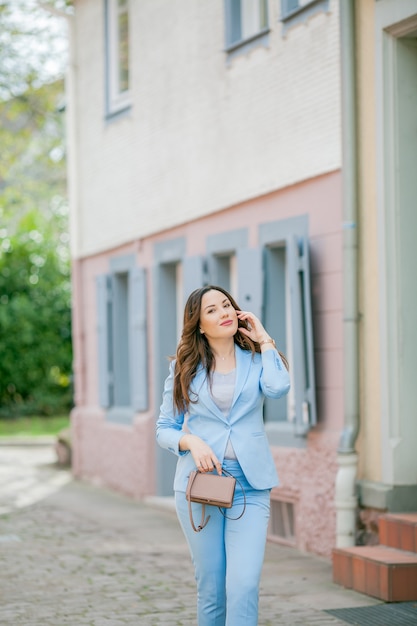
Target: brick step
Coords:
[[378, 571], [398, 530]]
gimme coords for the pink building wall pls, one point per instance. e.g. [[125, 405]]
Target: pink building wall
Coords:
[[123, 457]]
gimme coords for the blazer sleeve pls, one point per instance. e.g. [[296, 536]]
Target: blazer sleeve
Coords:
[[169, 426], [275, 379]]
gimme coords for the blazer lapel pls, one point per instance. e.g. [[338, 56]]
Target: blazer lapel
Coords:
[[201, 386], [243, 361]]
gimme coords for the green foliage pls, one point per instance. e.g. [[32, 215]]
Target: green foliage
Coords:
[[32, 168], [35, 321], [33, 44]]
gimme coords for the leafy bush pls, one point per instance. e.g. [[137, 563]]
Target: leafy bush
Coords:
[[35, 320]]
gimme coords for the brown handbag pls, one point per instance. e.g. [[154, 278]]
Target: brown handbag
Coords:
[[214, 489]]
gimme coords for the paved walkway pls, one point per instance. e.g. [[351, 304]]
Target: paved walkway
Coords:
[[87, 556], [28, 472]]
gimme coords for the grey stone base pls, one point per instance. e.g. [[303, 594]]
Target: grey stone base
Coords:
[[393, 498]]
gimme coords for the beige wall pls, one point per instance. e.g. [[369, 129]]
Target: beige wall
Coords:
[[202, 134], [369, 441]]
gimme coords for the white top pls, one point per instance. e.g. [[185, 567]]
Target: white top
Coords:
[[222, 391]]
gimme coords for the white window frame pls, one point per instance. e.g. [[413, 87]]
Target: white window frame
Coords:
[[117, 100], [238, 15]]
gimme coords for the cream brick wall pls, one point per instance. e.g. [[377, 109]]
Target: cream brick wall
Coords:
[[203, 133]]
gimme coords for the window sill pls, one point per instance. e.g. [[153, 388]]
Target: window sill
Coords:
[[117, 113], [282, 434], [245, 45], [303, 13], [120, 415]]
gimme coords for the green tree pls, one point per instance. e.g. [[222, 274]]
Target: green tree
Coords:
[[35, 320], [32, 44]]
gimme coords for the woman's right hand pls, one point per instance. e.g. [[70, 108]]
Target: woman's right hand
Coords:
[[203, 455]]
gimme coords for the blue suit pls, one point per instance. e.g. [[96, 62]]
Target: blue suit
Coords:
[[256, 376], [228, 554]]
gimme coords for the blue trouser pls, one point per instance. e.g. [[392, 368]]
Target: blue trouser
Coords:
[[228, 554]]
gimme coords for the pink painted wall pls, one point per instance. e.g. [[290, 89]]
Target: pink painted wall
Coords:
[[123, 457], [307, 478], [110, 454]]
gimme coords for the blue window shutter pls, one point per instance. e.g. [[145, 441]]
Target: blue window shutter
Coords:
[[192, 274], [138, 339], [250, 280], [302, 334], [308, 330], [213, 273], [104, 339]]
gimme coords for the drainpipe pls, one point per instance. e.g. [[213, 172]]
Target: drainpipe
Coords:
[[345, 490]]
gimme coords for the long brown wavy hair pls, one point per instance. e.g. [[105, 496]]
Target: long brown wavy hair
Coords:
[[193, 347]]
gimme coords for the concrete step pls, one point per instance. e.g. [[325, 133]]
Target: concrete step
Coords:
[[378, 571], [398, 530]]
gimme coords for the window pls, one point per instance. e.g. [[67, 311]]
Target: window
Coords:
[[121, 337], [277, 319], [286, 312], [222, 272], [117, 55], [169, 279], [273, 281], [120, 332], [296, 11], [289, 6], [245, 20], [222, 261], [281, 527]]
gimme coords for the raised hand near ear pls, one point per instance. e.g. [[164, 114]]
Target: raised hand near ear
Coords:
[[254, 330]]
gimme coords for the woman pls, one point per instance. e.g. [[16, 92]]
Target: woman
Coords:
[[225, 364]]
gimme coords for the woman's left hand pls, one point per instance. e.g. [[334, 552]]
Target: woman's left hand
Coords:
[[255, 330]]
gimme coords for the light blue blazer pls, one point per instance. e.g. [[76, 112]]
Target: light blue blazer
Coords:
[[256, 377]]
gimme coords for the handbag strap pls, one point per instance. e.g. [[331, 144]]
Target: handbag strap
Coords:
[[244, 498], [203, 512], [203, 522]]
